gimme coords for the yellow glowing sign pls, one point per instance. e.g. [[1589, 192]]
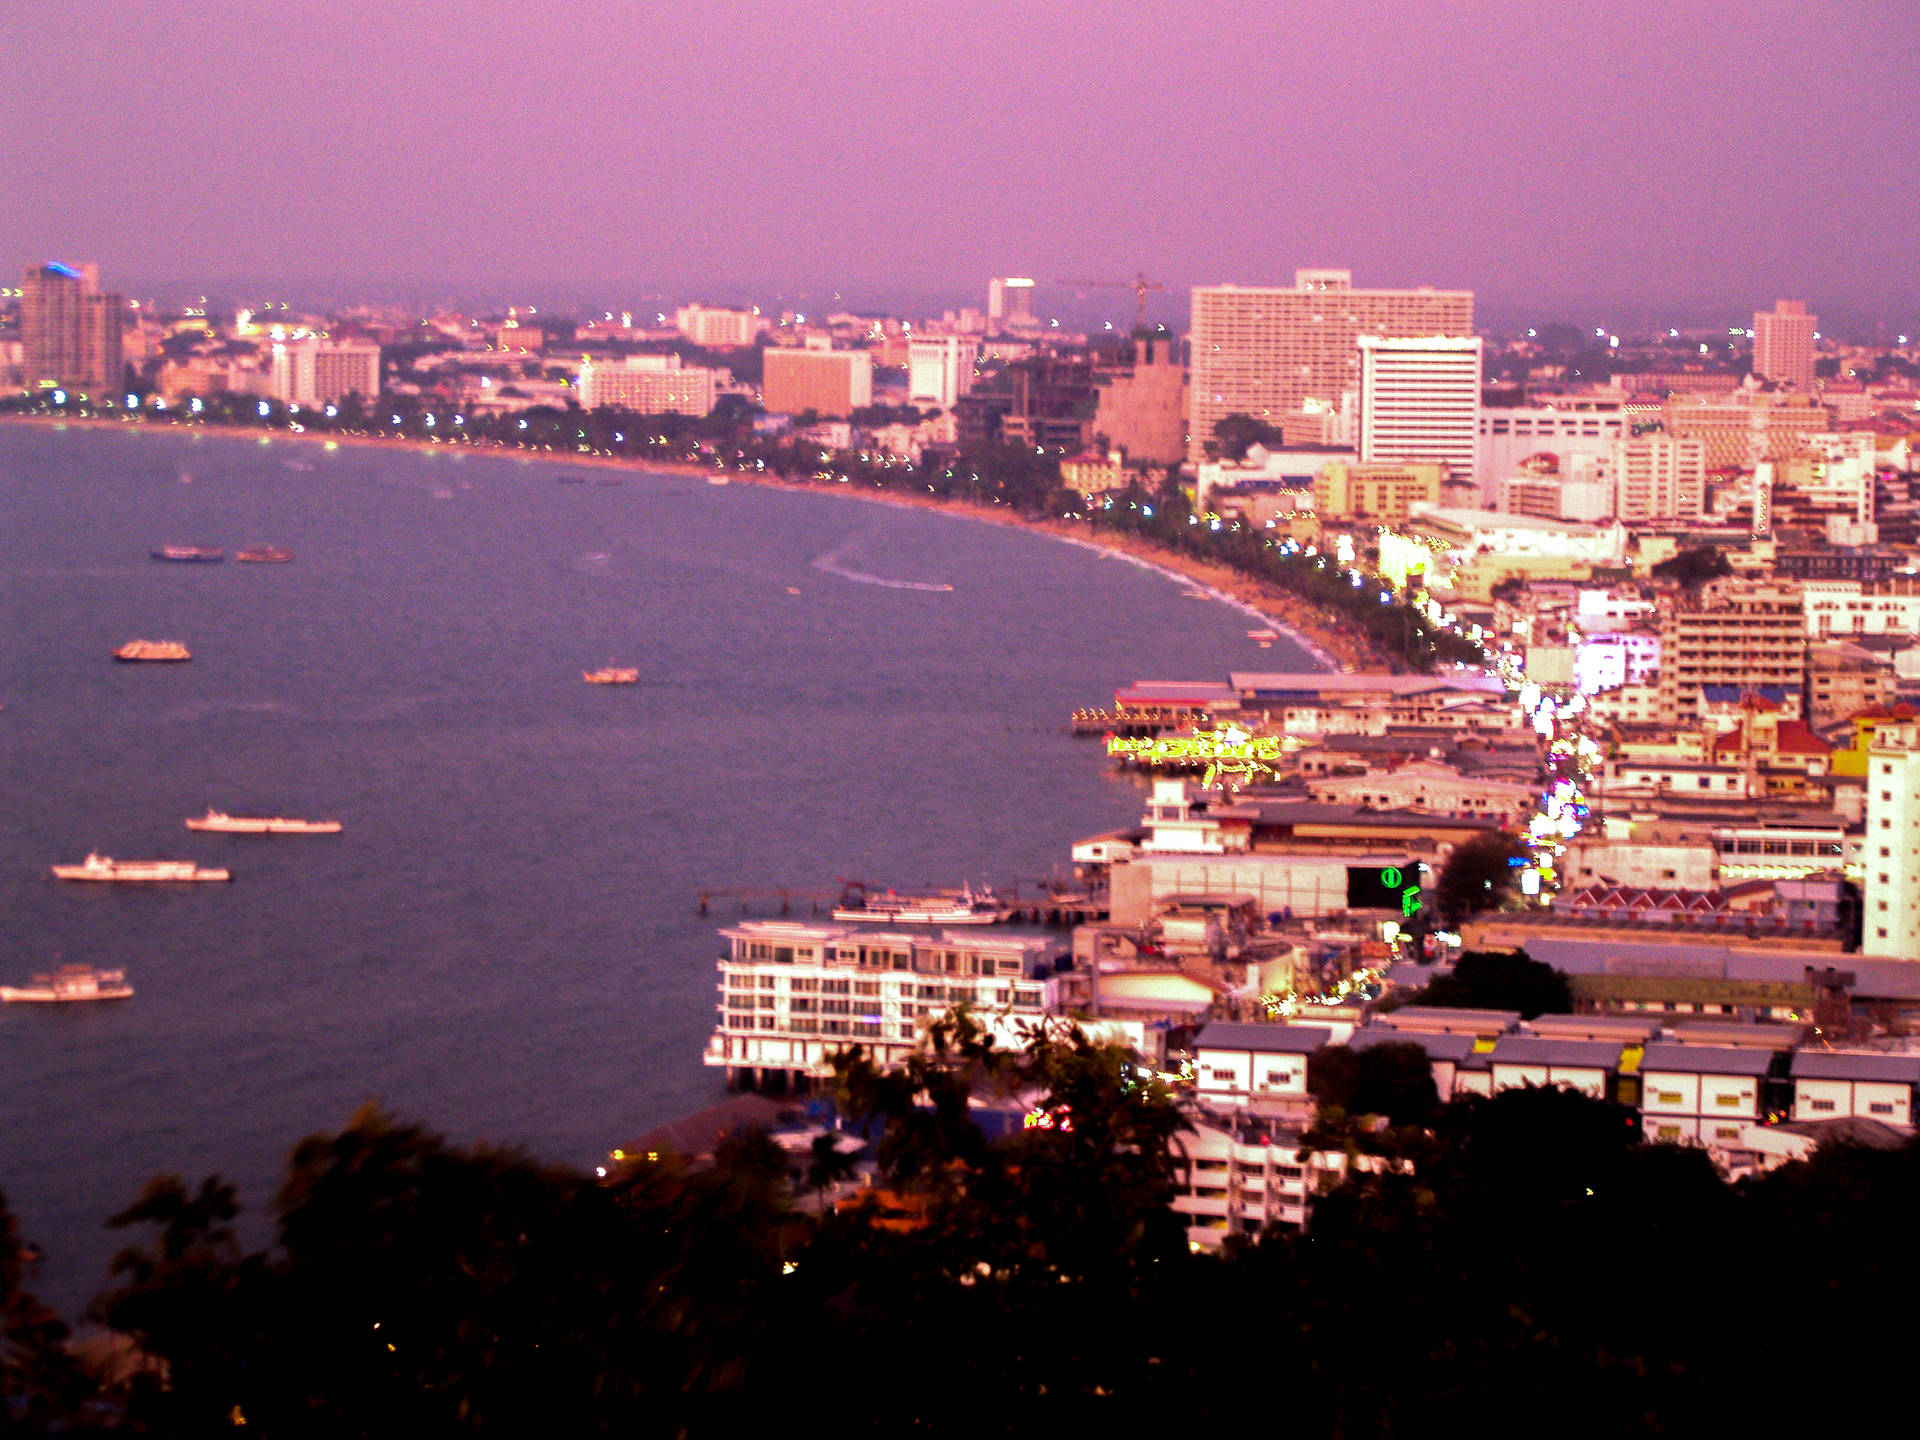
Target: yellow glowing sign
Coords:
[[1229, 750]]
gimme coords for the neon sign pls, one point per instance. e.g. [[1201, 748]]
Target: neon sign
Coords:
[[1229, 750]]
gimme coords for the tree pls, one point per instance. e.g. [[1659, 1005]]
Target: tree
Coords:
[[1499, 980], [41, 1385], [1694, 566], [1392, 1081], [1478, 875], [1234, 435]]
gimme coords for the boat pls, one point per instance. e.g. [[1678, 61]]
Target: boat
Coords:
[[104, 867], [225, 824], [153, 650], [966, 908], [611, 675], [71, 983], [190, 554], [264, 555]]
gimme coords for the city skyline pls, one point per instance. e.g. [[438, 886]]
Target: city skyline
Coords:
[[899, 160]]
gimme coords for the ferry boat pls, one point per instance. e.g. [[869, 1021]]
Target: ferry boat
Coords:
[[966, 908], [190, 554], [225, 824], [611, 675], [104, 867], [70, 983], [152, 650], [264, 555]]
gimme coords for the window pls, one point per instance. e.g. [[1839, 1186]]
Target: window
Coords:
[[1668, 1132], [834, 987], [806, 982], [766, 982], [1670, 1097], [866, 987], [1821, 1105], [1880, 1107], [1727, 1100], [1726, 1132]]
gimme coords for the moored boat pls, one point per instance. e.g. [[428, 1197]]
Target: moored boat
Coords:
[[966, 908], [153, 650], [190, 554], [264, 555], [105, 867], [70, 983], [611, 675], [221, 822]]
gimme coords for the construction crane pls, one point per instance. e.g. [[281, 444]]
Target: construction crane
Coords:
[[1140, 285]]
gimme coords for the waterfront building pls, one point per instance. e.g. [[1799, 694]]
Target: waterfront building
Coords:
[[70, 329], [1420, 401], [1273, 352], [830, 383], [791, 995], [1783, 345], [1383, 492], [312, 371], [719, 329], [649, 385], [940, 369]]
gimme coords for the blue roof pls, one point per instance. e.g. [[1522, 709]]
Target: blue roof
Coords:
[[1268, 1039]]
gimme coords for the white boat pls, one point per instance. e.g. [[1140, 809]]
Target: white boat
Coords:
[[68, 984], [612, 675], [104, 867], [150, 650], [966, 908], [225, 824]]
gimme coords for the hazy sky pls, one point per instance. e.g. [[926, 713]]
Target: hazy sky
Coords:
[[1702, 155]]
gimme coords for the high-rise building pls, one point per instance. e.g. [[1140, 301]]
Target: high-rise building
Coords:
[[1420, 401], [830, 383], [1010, 299], [1141, 405], [311, 371], [1890, 888], [1783, 344], [940, 370], [1659, 477], [1384, 492], [719, 329], [1271, 352], [649, 385], [69, 328]]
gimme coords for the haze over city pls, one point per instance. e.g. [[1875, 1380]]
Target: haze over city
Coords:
[[1654, 162]]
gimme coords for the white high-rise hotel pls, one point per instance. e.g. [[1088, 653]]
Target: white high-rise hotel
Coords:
[[1891, 853], [1420, 400], [1272, 352]]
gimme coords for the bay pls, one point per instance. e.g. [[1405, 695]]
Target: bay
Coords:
[[504, 943]]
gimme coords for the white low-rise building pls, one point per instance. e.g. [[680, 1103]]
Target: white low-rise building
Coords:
[[1588, 1066], [1262, 1067], [1241, 1175], [1703, 1094], [792, 994], [1842, 1084]]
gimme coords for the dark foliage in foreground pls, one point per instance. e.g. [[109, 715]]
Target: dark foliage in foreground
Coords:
[[1515, 1263]]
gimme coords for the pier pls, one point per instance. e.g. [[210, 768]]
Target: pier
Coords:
[[1033, 902]]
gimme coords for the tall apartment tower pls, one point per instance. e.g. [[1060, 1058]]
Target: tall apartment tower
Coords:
[[1272, 352], [1659, 477], [1751, 636], [1890, 856], [1420, 401], [70, 328], [1783, 344], [1010, 298]]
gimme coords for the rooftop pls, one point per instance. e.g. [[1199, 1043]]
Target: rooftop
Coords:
[[1263, 1039], [1708, 1059]]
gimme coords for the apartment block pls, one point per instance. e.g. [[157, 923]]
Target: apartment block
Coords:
[[1745, 637], [719, 329], [1270, 352], [831, 383], [1659, 477], [1384, 493], [649, 385], [1890, 886], [70, 329], [791, 995], [1783, 344]]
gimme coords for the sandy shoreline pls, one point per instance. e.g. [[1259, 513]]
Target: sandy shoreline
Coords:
[[1272, 608]]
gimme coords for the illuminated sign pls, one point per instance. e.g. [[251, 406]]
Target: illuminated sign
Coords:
[[1384, 887], [1229, 750]]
